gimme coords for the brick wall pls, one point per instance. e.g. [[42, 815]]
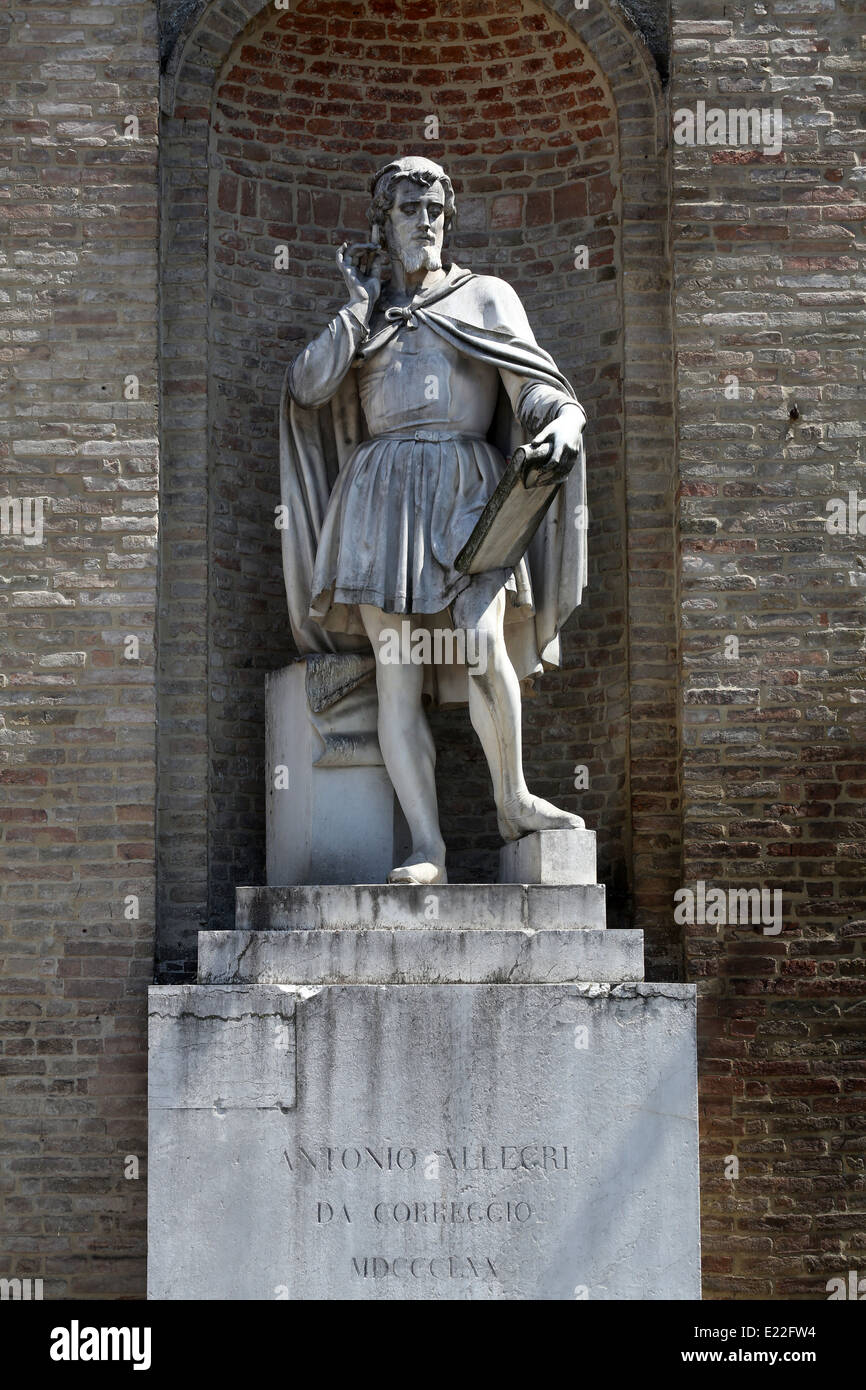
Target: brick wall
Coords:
[[77, 772], [769, 288]]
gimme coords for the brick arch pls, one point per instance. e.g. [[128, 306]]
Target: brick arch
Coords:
[[209, 29], [538, 170]]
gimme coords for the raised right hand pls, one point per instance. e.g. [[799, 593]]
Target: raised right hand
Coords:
[[364, 289]]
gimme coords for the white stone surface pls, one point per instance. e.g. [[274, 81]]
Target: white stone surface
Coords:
[[216, 1051], [422, 956], [549, 856], [337, 819], [474, 1142], [457, 906]]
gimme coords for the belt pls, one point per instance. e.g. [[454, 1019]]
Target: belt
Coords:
[[430, 436]]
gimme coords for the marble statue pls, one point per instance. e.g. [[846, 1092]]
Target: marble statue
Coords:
[[396, 422]]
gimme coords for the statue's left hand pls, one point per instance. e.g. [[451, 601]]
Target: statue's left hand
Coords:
[[562, 440]]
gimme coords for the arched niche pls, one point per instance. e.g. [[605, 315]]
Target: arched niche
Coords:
[[550, 121]]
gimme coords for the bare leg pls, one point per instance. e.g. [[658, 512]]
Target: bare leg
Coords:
[[409, 752], [494, 708]]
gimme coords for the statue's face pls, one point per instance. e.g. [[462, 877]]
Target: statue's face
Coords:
[[416, 226]]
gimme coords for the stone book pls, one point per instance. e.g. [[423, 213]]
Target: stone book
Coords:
[[512, 516]]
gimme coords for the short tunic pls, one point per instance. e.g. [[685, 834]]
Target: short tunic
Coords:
[[408, 499], [401, 511]]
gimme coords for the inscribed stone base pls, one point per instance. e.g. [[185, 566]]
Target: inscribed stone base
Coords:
[[475, 1141]]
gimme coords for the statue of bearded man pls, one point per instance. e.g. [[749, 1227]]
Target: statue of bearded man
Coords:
[[396, 421]]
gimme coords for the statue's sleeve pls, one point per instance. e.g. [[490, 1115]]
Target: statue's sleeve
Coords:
[[316, 373], [536, 403]]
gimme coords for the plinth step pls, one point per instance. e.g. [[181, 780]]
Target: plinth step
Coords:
[[422, 956], [405, 907]]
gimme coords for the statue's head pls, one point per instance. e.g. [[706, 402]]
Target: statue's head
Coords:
[[413, 207]]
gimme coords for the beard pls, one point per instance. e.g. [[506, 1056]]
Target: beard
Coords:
[[415, 258]]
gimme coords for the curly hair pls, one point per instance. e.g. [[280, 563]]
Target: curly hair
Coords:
[[385, 191]]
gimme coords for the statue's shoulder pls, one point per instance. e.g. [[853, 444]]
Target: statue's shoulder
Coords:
[[495, 302]]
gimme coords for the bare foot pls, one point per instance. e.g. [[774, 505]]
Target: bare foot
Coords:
[[521, 817], [420, 868]]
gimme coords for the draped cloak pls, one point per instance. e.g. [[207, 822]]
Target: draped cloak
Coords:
[[317, 442]]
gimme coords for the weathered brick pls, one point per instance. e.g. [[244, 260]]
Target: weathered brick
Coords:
[[88, 321]]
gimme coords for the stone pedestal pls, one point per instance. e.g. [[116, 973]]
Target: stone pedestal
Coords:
[[332, 816], [386, 1092]]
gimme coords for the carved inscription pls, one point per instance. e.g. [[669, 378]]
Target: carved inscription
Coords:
[[464, 1158], [476, 1170], [424, 1267]]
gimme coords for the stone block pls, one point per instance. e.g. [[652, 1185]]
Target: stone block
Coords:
[[473, 1142], [461, 906], [332, 816], [549, 856], [219, 1048], [426, 955]]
